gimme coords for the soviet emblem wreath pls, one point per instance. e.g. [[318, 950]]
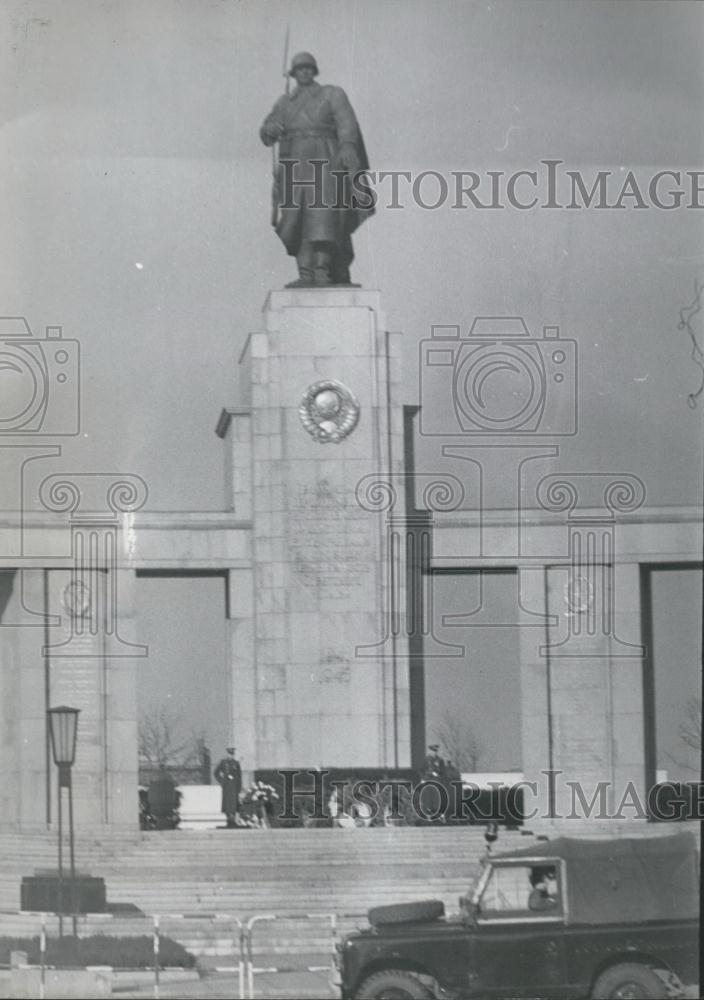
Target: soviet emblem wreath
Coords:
[[328, 411], [76, 599]]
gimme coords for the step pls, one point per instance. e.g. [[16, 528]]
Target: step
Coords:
[[294, 872]]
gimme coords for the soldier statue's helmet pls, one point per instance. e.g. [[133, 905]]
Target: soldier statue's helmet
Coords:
[[303, 59]]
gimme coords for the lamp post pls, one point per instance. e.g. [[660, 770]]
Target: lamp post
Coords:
[[63, 724]]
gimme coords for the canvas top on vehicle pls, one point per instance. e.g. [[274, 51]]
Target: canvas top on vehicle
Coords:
[[621, 880]]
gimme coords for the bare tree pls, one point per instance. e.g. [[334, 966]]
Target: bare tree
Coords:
[[459, 741], [159, 744], [691, 726]]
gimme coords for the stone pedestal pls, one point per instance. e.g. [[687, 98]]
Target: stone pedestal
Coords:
[[318, 382]]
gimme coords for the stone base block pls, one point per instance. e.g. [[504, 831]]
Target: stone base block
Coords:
[[40, 893], [60, 983]]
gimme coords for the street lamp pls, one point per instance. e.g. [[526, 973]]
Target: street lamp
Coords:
[[63, 724], [491, 835]]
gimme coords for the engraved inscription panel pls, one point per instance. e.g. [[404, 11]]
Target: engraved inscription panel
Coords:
[[331, 543]]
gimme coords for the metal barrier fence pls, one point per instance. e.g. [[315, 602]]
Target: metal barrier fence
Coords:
[[221, 917], [156, 922], [259, 918], [245, 968]]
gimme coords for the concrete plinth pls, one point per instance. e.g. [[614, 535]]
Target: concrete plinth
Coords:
[[304, 694]]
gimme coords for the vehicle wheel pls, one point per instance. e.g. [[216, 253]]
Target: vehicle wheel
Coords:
[[392, 984], [406, 913], [630, 981]]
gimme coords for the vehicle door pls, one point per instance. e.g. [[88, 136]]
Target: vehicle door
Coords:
[[519, 947]]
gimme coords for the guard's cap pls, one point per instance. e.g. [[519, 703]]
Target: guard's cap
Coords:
[[303, 59], [434, 746]]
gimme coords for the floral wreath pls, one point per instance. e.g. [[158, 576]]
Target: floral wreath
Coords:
[[76, 599]]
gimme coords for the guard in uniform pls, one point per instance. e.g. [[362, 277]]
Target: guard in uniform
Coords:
[[228, 774]]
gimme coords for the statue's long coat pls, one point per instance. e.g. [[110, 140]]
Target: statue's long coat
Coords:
[[317, 121], [229, 774]]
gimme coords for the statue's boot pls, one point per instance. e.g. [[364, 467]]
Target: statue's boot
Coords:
[[321, 267], [341, 275], [340, 268], [304, 259]]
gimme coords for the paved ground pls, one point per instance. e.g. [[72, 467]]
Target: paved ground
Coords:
[[294, 985], [223, 986], [301, 986]]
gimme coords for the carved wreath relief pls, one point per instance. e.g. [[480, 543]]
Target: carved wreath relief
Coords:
[[76, 599], [328, 411]]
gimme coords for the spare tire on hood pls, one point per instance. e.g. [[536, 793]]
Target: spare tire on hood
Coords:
[[406, 913]]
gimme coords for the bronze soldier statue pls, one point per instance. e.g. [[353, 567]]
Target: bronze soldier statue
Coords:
[[318, 198], [228, 774]]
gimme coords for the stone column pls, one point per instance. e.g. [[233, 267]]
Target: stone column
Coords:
[[536, 708], [593, 660], [91, 653], [121, 713], [23, 742], [627, 704], [242, 658], [235, 428]]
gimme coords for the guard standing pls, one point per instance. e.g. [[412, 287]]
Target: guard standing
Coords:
[[228, 774]]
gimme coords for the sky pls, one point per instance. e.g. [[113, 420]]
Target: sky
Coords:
[[135, 199], [137, 195]]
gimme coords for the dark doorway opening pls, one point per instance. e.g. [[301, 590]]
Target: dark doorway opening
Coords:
[[184, 685]]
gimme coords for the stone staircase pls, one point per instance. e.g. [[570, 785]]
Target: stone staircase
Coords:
[[299, 875]]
